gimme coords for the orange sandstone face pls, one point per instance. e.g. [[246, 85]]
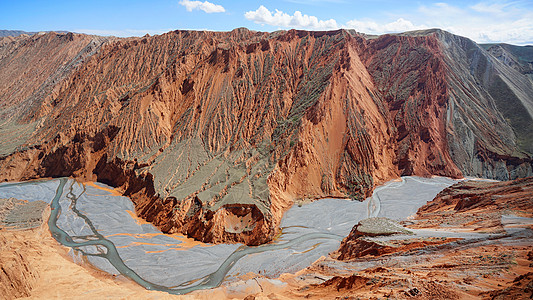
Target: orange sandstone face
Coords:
[[238, 224], [282, 116]]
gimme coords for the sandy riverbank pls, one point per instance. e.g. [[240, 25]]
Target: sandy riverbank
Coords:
[[43, 269]]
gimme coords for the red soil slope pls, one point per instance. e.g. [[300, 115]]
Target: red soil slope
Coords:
[[215, 134]]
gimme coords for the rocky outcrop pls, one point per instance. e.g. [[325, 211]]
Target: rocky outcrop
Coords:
[[214, 134], [478, 205], [16, 276], [352, 282], [359, 242], [377, 227], [520, 288], [19, 214]]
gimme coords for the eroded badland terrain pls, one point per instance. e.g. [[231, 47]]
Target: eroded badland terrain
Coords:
[[215, 135]]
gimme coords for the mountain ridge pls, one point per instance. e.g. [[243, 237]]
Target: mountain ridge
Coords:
[[215, 134], [15, 33]]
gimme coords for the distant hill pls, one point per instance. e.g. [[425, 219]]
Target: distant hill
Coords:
[[519, 58], [4, 33]]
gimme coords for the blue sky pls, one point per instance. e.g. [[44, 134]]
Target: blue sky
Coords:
[[484, 21]]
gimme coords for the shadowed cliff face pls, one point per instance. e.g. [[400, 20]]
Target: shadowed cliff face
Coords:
[[215, 134], [519, 58], [456, 108], [410, 74], [490, 116]]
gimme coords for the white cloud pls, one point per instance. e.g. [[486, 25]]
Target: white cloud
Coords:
[[372, 27], [315, 2], [440, 8], [485, 22], [492, 8], [280, 19], [206, 6]]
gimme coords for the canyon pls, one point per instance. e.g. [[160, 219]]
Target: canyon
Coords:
[[430, 254], [216, 134]]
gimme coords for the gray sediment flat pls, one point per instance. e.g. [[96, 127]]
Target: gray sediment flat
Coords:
[[175, 263]]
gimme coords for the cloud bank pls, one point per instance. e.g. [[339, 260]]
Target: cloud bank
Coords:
[[485, 22], [206, 6], [298, 20], [372, 27]]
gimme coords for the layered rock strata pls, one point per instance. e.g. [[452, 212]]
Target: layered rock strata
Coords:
[[478, 205], [215, 134], [360, 242]]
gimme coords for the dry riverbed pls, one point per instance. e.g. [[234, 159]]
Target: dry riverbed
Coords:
[[445, 264]]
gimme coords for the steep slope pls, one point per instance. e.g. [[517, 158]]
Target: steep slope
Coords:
[[478, 205], [453, 104], [16, 275], [30, 69], [215, 134], [519, 58], [410, 73], [493, 107]]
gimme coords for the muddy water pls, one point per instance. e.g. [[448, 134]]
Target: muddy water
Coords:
[[101, 225]]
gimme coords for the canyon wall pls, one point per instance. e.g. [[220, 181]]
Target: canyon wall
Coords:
[[215, 134]]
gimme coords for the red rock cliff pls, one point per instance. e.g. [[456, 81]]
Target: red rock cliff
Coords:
[[215, 134]]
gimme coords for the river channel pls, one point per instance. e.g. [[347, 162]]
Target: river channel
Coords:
[[99, 224]]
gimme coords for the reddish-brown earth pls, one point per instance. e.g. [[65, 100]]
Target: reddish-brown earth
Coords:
[[477, 272], [216, 134], [16, 278], [478, 205], [520, 288], [490, 267], [355, 247], [496, 267], [410, 73], [468, 205]]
